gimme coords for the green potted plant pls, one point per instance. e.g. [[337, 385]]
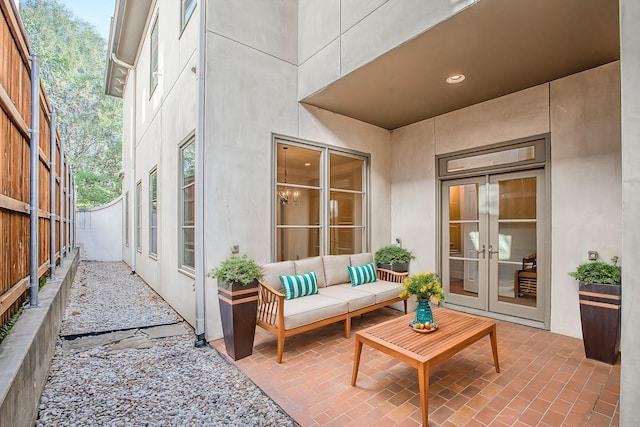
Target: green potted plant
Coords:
[[394, 258], [426, 287], [237, 278], [600, 296]]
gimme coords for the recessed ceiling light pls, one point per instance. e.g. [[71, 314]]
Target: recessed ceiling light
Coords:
[[307, 164], [456, 78]]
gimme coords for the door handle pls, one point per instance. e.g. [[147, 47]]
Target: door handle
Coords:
[[481, 251], [491, 251]]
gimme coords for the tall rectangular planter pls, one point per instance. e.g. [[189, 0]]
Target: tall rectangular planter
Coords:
[[600, 315], [238, 312]]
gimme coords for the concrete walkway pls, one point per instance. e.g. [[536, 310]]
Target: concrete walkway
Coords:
[[125, 358]]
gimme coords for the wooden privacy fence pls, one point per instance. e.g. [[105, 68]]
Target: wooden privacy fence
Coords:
[[55, 185]]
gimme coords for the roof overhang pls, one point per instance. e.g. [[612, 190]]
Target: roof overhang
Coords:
[[127, 28], [501, 46]]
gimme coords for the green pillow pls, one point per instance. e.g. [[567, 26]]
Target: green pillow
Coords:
[[299, 285], [362, 274]]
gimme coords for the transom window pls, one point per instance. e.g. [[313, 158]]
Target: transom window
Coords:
[[320, 201], [187, 203]]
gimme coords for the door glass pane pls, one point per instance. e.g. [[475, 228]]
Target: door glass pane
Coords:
[[463, 202], [345, 241], [464, 240], [463, 277], [297, 243], [345, 209], [517, 284], [345, 172], [516, 240], [517, 198], [297, 206], [297, 165]]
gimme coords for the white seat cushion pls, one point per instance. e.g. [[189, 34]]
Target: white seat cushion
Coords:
[[335, 269], [311, 308], [383, 290], [271, 273], [361, 259], [351, 295], [314, 264]]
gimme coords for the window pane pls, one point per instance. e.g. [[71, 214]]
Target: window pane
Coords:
[[463, 277], [154, 55], [345, 241], [154, 241], [306, 211], [187, 10], [463, 240], [188, 251], [302, 165], [346, 172], [345, 209], [297, 243], [188, 164], [188, 213]]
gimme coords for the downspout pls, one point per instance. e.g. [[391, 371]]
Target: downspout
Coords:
[[132, 215], [34, 157], [61, 213], [68, 207], [52, 197], [199, 182]]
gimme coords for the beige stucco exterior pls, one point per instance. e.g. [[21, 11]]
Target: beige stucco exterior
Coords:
[[261, 60]]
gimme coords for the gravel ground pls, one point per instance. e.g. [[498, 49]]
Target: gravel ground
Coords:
[[170, 383]]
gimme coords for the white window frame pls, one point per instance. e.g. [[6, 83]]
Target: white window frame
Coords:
[[190, 269], [153, 201], [139, 216], [325, 227]]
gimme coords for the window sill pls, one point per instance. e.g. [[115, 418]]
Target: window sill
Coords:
[[186, 272]]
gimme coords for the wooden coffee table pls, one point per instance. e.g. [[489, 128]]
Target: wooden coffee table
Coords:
[[421, 350]]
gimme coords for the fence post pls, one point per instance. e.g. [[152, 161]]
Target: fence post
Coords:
[[68, 209], [34, 157], [52, 196]]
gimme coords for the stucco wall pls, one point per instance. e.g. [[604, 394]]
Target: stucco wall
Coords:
[[337, 37], [160, 123], [582, 113], [99, 232]]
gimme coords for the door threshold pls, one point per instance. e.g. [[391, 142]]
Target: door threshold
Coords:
[[498, 316]]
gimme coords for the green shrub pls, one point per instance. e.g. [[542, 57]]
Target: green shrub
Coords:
[[237, 269], [392, 254], [598, 272]]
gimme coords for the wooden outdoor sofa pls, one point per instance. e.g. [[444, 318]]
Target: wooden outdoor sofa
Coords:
[[336, 300]]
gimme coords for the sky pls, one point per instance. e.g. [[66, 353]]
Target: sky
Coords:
[[97, 13]]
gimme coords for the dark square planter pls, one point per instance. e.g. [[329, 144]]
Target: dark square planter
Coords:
[[238, 312], [398, 268], [600, 316]]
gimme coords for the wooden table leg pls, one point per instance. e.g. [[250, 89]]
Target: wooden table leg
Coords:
[[494, 347], [423, 381], [356, 360]]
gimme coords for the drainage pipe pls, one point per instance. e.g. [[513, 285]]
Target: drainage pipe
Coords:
[[68, 201], [52, 196], [34, 158], [132, 154], [199, 182]]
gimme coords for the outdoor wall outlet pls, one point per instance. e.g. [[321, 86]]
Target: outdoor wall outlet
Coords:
[[235, 249], [593, 255]]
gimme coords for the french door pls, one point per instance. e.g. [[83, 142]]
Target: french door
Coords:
[[493, 230]]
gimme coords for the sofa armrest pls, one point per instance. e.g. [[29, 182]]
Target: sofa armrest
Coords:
[[391, 276], [270, 306]]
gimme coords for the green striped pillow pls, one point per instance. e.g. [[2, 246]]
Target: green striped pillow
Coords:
[[362, 274], [299, 285]]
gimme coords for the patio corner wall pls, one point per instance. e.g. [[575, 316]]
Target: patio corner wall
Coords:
[[25, 354], [99, 232]]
